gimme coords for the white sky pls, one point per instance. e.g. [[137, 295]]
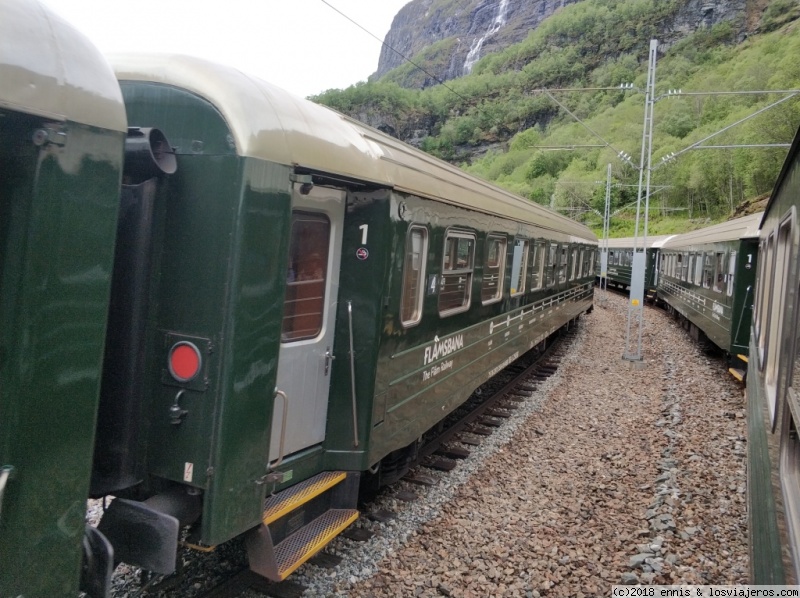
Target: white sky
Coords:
[[304, 46]]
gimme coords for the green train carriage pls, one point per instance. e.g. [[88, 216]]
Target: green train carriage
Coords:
[[773, 384], [322, 295], [707, 280], [62, 131], [619, 264]]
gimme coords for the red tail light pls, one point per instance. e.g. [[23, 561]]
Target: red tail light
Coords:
[[184, 361]]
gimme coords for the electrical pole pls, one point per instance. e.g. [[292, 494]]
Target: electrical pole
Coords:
[[636, 303], [604, 240]]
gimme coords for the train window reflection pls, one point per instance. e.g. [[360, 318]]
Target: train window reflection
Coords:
[[719, 271], [552, 248], [493, 269], [519, 266], [731, 272], [562, 266], [537, 272], [305, 280], [414, 275]]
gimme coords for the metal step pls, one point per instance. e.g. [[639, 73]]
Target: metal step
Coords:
[[287, 501], [738, 374], [281, 561], [743, 358], [308, 541]]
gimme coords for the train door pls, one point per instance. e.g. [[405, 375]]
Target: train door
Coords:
[[306, 354]]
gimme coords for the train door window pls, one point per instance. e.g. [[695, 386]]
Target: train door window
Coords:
[[574, 267], [494, 267], [719, 271], [519, 266], [679, 266], [552, 250], [611, 258], [457, 267], [582, 263], [592, 258], [766, 287], [731, 273], [414, 275], [305, 282]]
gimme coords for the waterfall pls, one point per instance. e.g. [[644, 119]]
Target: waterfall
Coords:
[[475, 49]]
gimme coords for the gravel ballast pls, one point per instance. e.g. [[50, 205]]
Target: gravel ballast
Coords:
[[611, 474]]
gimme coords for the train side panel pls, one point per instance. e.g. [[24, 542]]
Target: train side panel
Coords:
[[219, 258], [411, 374], [62, 129], [773, 383], [707, 278]]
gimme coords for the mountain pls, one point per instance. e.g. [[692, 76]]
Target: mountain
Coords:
[[448, 37], [545, 116]]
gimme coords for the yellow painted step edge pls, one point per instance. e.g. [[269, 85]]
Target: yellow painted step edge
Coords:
[[736, 374], [318, 545], [296, 501], [743, 358]]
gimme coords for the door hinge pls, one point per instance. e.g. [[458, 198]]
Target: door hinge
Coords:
[[53, 134]]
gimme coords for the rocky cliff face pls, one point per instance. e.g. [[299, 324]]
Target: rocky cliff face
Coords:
[[476, 28]]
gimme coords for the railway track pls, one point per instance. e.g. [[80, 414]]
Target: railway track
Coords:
[[441, 449]]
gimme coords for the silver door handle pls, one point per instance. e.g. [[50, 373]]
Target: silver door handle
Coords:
[[328, 358], [6, 472]]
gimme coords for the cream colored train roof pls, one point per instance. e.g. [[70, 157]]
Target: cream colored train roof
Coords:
[[740, 228], [272, 124], [49, 69], [627, 242]]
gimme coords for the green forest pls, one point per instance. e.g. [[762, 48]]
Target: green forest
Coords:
[[545, 117]]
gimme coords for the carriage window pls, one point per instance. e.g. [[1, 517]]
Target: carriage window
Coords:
[[457, 266], [708, 271], [537, 272], [414, 275], [698, 269], [679, 268], [719, 271], [575, 262], [582, 261], [762, 251], [306, 276], [552, 249], [685, 270], [777, 330], [519, 264], [765, 284], [731, 272], [493, 269], [562, 266]]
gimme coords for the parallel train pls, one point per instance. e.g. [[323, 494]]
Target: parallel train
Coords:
[[230, 308], [707, 280], [619, 266]]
